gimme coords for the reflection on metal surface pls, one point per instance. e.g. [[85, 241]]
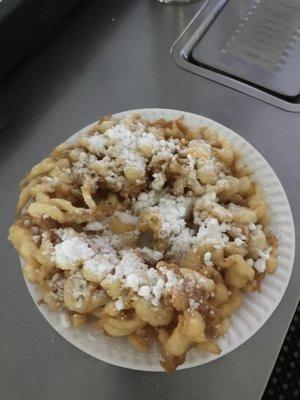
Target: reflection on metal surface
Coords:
[[267, 33], [178, 1], [250, 45]]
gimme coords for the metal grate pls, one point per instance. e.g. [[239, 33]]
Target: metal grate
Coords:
[[284, 383], [267, 34]]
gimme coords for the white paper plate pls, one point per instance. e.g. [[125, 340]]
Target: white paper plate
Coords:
[[256, 308]]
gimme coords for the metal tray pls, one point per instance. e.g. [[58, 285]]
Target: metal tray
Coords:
[[250, 45]]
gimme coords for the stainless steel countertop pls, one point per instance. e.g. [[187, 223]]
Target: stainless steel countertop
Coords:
[[112, 56]]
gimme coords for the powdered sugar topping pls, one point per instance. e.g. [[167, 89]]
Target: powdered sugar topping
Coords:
[[72, 251], [212, 232]]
